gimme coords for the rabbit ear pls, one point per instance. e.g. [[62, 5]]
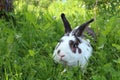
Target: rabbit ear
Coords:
[[81, 28], [66, 24]]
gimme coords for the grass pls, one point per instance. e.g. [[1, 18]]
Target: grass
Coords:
[[27, 43]]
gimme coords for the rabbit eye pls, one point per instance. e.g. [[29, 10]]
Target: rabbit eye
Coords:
[[73, 45], [58, 51]]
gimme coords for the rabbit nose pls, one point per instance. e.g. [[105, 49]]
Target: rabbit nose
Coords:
[[62, 56]]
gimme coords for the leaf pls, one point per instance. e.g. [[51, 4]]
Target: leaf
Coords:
[[10, 39], [116, 46], [31, 52], [98, 77], [117, 61]]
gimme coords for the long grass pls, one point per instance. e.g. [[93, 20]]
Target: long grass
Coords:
[[27, 42]]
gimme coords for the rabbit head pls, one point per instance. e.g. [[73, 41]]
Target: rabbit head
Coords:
[[72, 49]]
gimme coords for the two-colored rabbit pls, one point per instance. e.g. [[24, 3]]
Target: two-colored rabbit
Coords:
[[73, 49]]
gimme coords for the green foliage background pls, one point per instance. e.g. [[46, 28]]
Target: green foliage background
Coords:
[[27, 41]]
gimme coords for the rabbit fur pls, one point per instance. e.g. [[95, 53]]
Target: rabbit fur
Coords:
[[73, 49]]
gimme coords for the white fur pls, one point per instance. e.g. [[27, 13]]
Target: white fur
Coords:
[[70, 58]]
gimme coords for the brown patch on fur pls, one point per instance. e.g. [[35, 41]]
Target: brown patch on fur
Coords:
[[74, 45]]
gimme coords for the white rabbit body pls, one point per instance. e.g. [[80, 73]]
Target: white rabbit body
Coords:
[[72, 49]]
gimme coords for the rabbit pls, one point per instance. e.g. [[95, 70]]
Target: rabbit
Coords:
[[73, 49]]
